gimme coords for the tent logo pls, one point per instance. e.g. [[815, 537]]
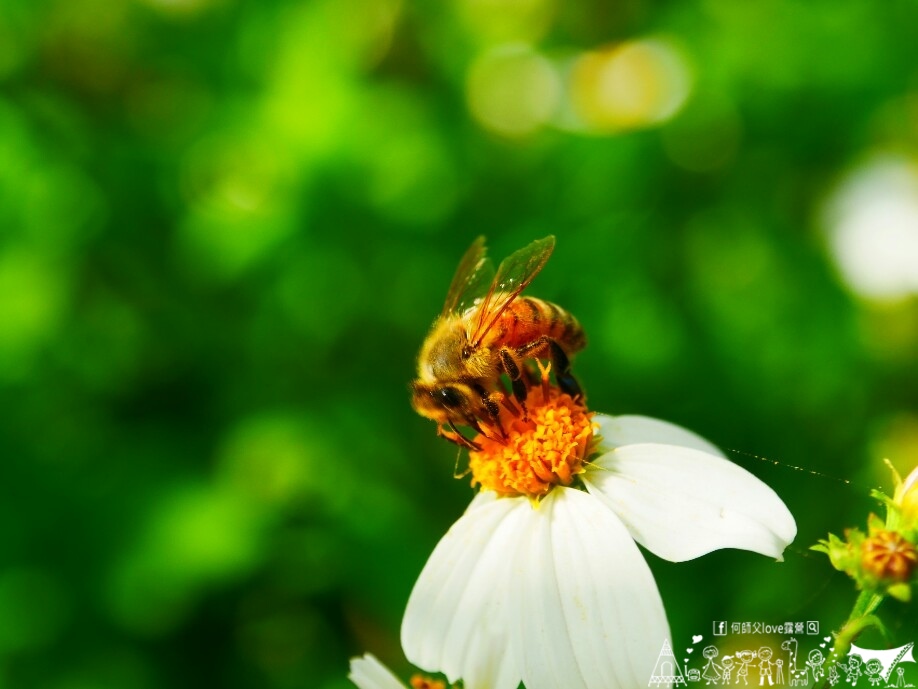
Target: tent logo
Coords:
[[667, 672], [882, 665], [785, 665]]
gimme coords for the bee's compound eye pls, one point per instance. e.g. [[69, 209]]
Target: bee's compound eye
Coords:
[[449, 397]]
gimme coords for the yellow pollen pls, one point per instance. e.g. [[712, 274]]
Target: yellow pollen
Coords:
[[545, 450]]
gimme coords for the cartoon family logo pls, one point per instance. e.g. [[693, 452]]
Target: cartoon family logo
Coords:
[[764, 666]]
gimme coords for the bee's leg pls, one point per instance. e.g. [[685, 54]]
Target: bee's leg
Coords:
[[507, 402], [515, 374], [454, 436], [493, 412], [565, 378], [491, 402], [505, 395], [559, 360]]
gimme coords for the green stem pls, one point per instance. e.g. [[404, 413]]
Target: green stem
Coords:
[[861, 618]]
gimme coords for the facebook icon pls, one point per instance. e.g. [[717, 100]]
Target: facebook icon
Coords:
[[720, 628]]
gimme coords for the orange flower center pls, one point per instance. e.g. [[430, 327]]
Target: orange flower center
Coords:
[[542, 451], [888, 556], [424, 682]]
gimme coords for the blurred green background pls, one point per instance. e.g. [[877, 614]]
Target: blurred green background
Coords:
[[226, 226]]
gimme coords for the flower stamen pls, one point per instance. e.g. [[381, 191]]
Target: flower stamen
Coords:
[[544, 370], [545, 448]]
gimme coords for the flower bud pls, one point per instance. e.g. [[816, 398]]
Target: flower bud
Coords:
[[907, 497], [888, 556]]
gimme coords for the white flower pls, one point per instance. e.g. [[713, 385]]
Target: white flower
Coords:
[[549, 588], [368, 673]]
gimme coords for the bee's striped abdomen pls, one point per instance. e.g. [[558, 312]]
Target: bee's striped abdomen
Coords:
[[528, 318]]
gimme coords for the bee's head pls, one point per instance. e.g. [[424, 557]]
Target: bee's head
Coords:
[[444, 402]]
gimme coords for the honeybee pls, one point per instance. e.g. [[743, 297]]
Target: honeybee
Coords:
[[486, 329]]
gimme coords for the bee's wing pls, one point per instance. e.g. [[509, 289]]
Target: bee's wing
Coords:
[[515, 272], [474, 274]]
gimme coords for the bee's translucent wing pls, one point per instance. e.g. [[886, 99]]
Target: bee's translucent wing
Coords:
[[474, 274], [514, 273]]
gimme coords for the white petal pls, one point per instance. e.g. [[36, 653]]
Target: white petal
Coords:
[[588, 612], [618, 431], [482, 497], [368, 673], [456, 620], [681, 503]]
